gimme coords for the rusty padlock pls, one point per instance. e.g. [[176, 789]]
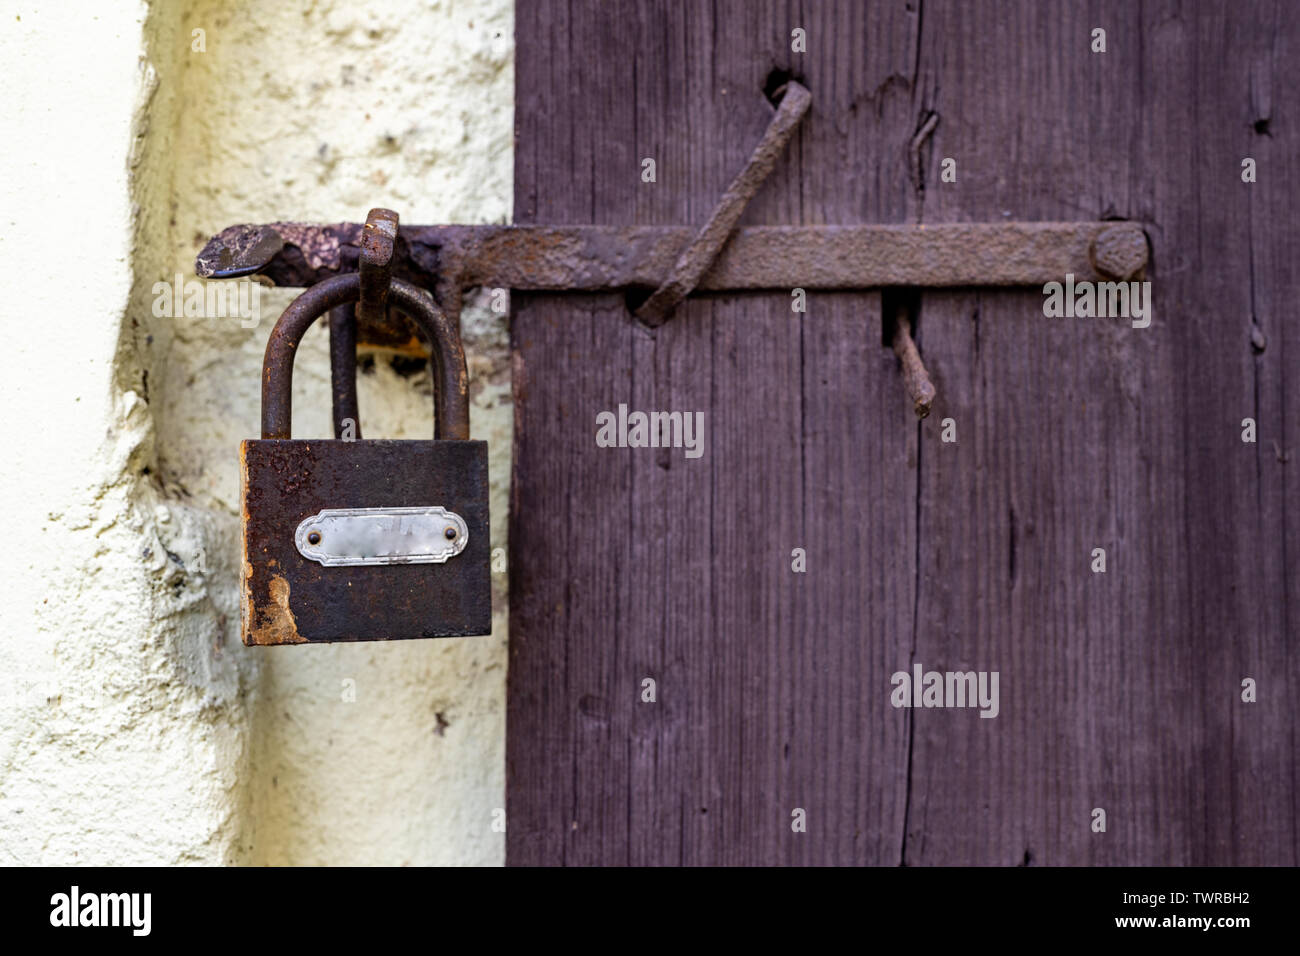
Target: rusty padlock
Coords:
[[370, 539]]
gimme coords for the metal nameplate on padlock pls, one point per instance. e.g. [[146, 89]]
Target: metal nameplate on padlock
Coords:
[[352, 537], [367, 539]]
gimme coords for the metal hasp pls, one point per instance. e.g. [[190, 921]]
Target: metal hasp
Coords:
[[670, 262], [612, 258]]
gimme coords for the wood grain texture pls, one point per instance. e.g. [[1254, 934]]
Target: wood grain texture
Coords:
[[1118, 690]]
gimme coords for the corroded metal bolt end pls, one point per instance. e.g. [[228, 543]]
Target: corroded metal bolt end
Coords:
[[238, 251], [1119, 251]]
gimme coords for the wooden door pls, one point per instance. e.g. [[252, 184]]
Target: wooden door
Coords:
[[1119, 690]]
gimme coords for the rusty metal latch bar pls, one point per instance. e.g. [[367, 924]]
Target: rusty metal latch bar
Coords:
[[614, 258], [450, 259]]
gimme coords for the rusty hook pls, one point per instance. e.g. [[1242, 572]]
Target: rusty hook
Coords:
[[915, 378]]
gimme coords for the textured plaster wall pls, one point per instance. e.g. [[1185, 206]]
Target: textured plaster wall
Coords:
[[123, 725], [136, 727]]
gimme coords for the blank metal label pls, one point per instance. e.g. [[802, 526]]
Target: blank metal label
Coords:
[[345, 537]]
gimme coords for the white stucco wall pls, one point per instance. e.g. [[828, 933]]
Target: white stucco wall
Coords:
[[134, 726]]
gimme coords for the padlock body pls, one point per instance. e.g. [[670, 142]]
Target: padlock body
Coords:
[[291, 599]]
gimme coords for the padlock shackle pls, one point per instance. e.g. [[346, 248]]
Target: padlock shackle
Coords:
[[450, 378]]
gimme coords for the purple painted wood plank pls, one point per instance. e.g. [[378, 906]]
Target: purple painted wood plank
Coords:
[[1118, 690]]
